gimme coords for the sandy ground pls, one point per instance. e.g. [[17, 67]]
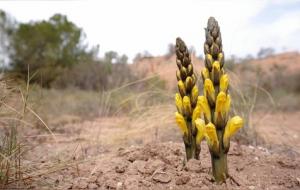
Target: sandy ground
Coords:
[[114, 153]]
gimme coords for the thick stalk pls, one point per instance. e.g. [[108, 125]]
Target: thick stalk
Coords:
[[219, 167], [191, 148], [219, 162]]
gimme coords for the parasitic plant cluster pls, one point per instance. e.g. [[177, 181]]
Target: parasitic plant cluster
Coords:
[[210, 112], [186, 101]]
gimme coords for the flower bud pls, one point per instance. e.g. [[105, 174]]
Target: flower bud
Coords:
[[209, 91], [194, 95], [196, 114], [178, 75], [205, 74], [214, 49], [208, 61], [200, 125], [211, 137], [178, 103], [178, 63], [190, 70], [221, 59], [183, 73], [181, 88], [188, 84], [216, 72]]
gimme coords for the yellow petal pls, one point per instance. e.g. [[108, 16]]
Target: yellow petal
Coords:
[[181, 88], [216, 66], [203, 103], [205, 73], [227, 104], [222, 109], [187, 105], [233, 125], [196, 113], [209, 90], [224, 82], [221, 100], [178, 102], [181, 123], [211, 137], [200, 125]]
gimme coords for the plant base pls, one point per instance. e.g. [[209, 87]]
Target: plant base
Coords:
[[219, 168]]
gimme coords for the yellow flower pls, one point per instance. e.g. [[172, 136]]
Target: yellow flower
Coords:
[[194, 95], [221, 100], [211, 137], [187, 105], [181, 123], [209, 90], [233, 125], [203, 103], [224, 82], [178, 102], [196, 113], [200, 125], [222, 109], [181, 88], [227, 104], [205, 73]]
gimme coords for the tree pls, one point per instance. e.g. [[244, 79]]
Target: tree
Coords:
[[46, 47]]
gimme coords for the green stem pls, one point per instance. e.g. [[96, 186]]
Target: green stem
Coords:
[[219, 161], [191, 148], [219, 167]]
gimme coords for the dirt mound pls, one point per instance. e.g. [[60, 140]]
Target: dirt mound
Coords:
[[161, 166]]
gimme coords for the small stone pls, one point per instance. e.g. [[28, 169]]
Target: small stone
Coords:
[[92, 179], [161, 177], [193, 165], [82, 185], [181, 180], [251, 187], [92, 186], [119, 185]]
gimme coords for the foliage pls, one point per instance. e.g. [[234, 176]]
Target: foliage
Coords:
[[46, 47]]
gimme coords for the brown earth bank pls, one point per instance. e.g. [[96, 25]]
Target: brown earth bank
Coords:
[[161, 166]]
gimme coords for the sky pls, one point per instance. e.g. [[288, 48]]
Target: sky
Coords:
[[132, 26]]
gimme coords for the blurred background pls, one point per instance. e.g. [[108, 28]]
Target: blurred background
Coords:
[[79, 78]]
